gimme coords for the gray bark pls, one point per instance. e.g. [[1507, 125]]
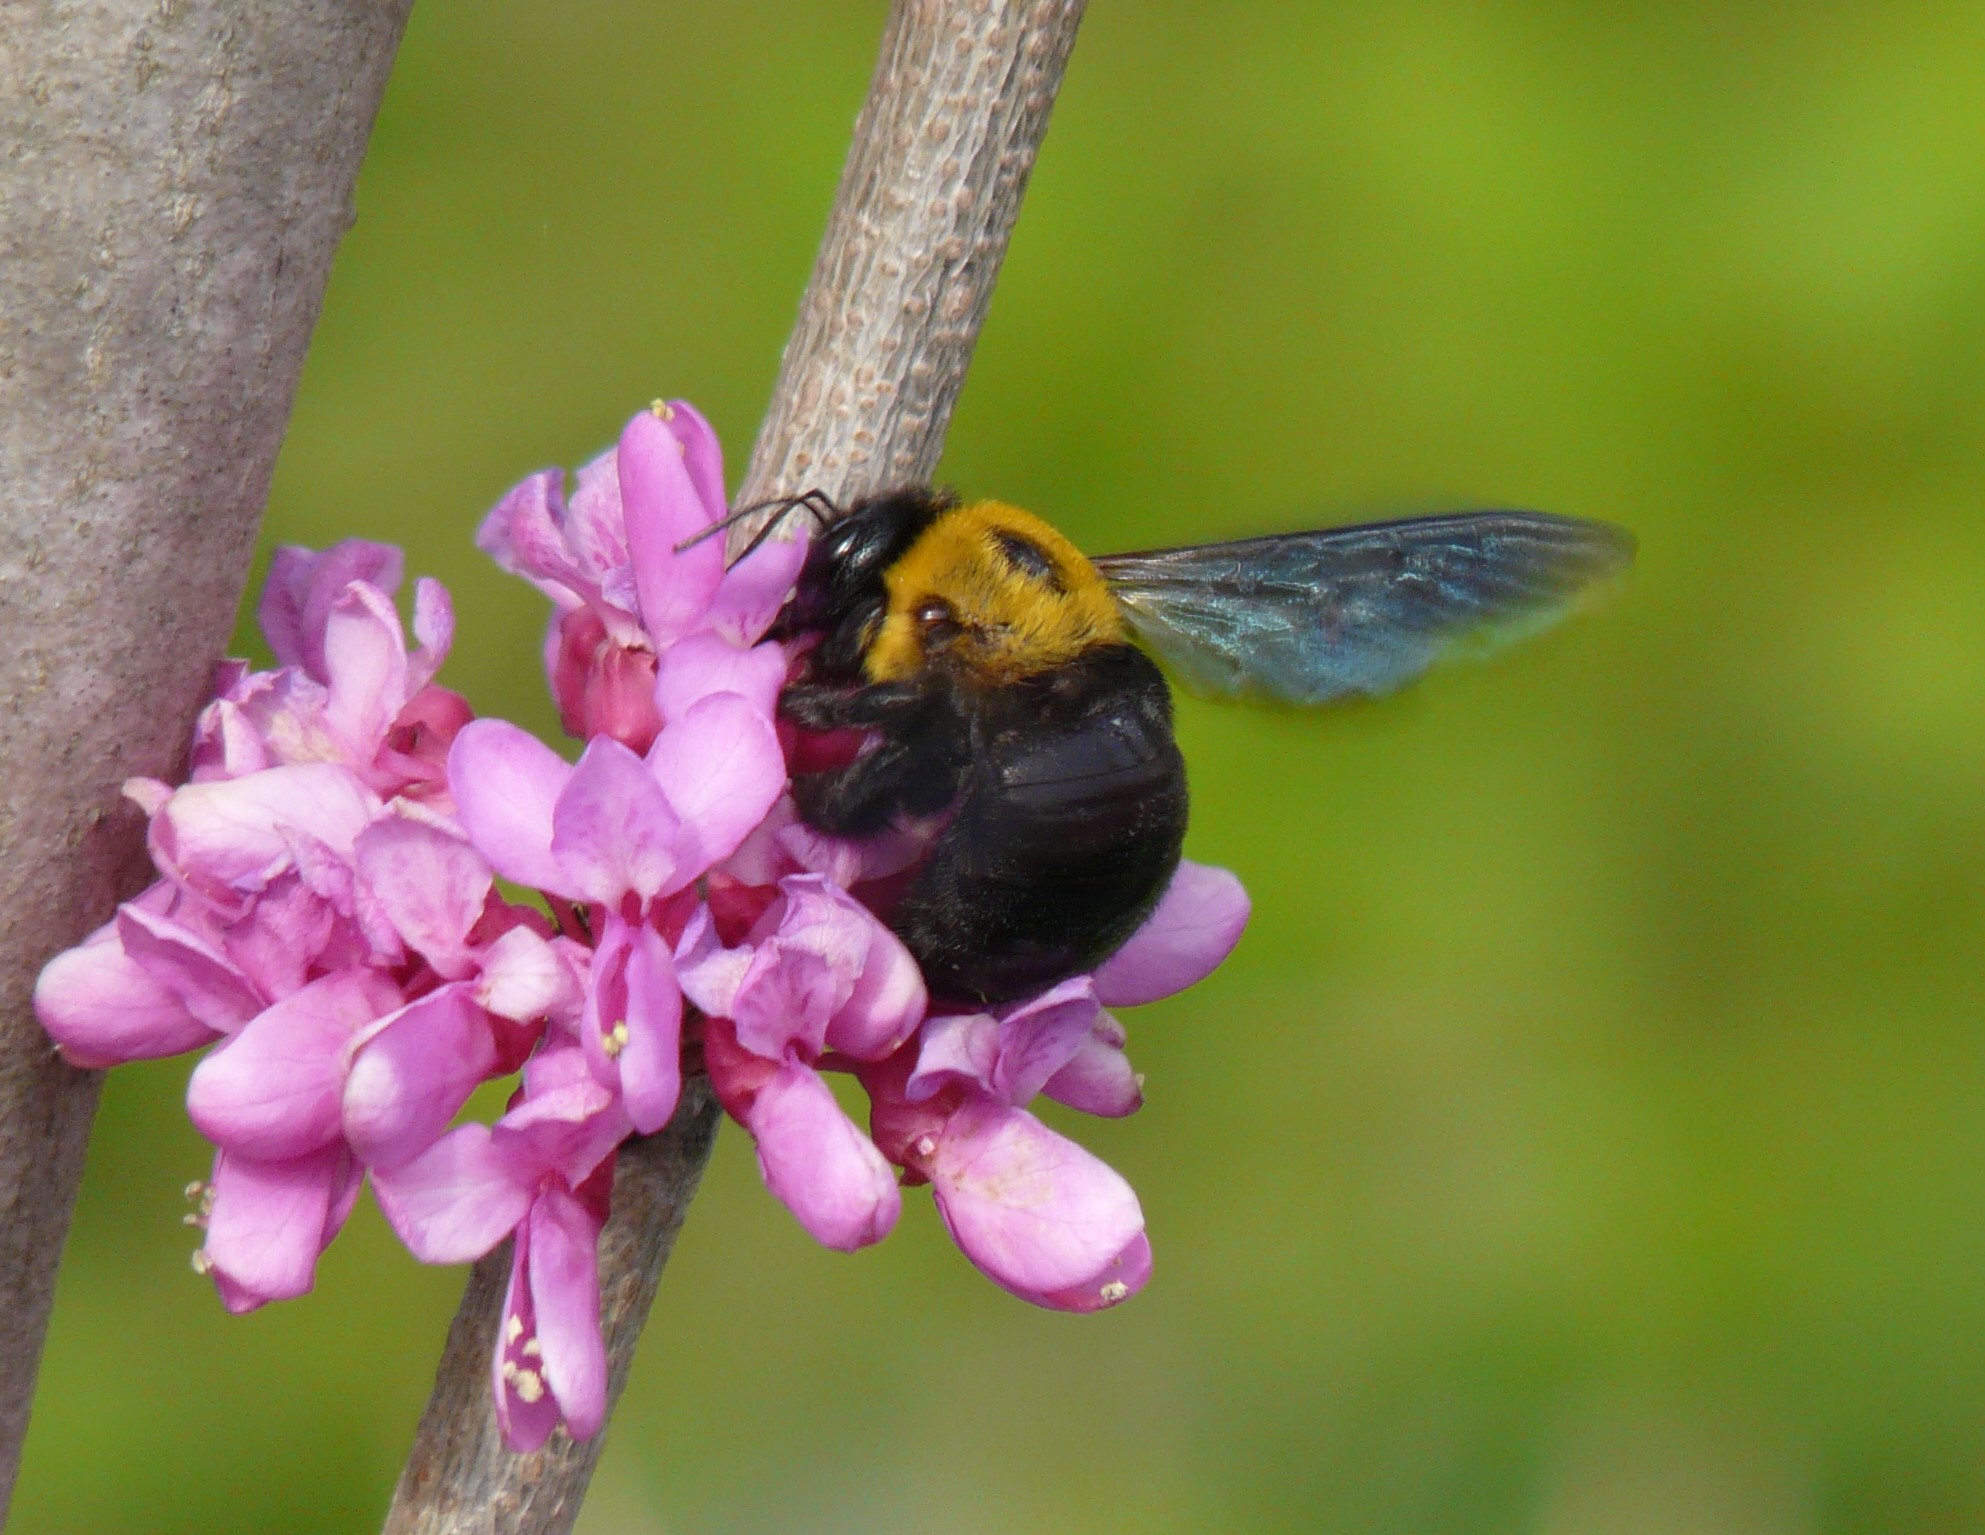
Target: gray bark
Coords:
[[928, 198], [173, 181]]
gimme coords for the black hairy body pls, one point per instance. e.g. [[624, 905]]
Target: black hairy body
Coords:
[[1061, 790]]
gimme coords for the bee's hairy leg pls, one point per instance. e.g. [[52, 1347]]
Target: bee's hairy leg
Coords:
[[821, 707], [860, 799]]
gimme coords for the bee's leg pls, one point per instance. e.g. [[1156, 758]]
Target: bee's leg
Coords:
[[821, 707], [863, 797]]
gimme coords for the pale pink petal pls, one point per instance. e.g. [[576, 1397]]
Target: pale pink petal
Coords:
[[430, 884], [701, 664], [271, 1220], [887, 1002], [279, 943], [1035, 1212], [650, 1057], [1196, 925], [709, 973], [412, 1071], [1098, 1078], [757, 586], [365, 666], [225, 744], [817, 1162], [596, 529], [955, 1047], [524, 534], [565, 1294], [613, 831], [302, 586], [506, 784], [458, 1199], [1122, 1277], [521, 977], [103, 1008], [662, 509], [226, 839], [721, 767], [1040, 1036], [526, 1411], [434, 627], [273, 1091], [212, 988]]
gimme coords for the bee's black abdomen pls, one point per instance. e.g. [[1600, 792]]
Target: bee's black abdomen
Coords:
[[1068, 829]]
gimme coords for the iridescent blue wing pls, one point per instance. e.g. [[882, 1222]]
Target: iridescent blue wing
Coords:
[[1309, 617]]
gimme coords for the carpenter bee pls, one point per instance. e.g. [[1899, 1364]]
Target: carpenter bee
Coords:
[[1012, 713]]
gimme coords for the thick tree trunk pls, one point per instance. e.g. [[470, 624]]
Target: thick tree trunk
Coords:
[[173, 181], [932, 185]]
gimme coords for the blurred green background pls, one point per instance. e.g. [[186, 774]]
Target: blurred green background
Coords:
[[1589, 1136]]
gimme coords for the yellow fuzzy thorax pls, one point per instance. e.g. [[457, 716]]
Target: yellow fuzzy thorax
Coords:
[[1015, 621]]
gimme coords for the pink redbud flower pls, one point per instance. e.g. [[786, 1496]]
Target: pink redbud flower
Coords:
[[621, 834], [639, 631], [541, 1173], [1036, 1213], [817, 973]]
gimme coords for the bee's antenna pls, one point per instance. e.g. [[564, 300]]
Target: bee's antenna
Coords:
[[818, 502]]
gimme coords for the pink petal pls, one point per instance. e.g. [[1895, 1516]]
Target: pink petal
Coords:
[[721, 767], [817, 1162], [271, 1220], [1196, 925], [956, 1047], [565, 1294], [458, 1199], [103, 1008], [225, 839], [524, 534], [1119, 1279], [526, 1410], [662, 508], [709, 973], [506, 784], [430, 884], [1035, 1212], [302, 586], [412, 1071], [887, 1003], [757, 586], [651, 1058], [434, 627], [613, 832], [704, 663], [1040, 1036], [523, 979], [272, 1093], [212, 988], [701, 456], [596, 531], [365, 666], [279, 942], [1098, 1078]]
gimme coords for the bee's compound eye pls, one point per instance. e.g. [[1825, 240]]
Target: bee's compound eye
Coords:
[[938, 622]]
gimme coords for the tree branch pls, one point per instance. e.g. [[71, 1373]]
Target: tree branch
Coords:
[[173, 182], [928, 197]]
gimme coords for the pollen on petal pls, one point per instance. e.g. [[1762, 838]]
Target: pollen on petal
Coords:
[[1113, 1292]]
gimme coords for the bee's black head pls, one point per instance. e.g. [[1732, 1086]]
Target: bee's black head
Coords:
[[840, 587]]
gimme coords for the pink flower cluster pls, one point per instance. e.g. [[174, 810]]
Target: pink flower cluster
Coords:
[[327, 920]]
